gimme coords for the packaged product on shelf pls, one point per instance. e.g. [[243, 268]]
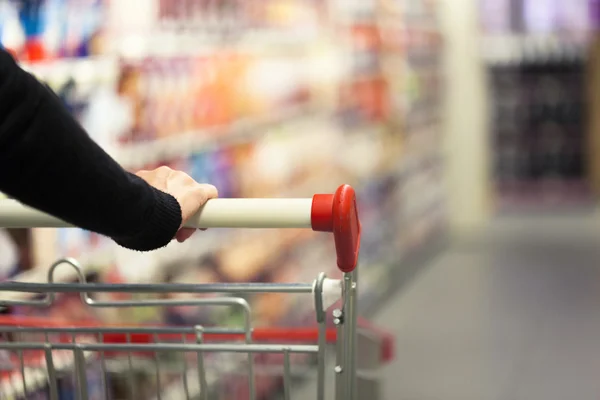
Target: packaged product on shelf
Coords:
[[55, 28], [370, 97], [242, 155], [366, 45], [178, 89], [164, 118], [199, 167], [187, 97], [154, 111], [84, 23], [217, 92], [55, 13], [32, 21], [130, 84], [204, 74], [199, 71], [243, 103], [222, 166]]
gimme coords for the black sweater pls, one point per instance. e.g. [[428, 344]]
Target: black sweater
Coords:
[[47, 161]]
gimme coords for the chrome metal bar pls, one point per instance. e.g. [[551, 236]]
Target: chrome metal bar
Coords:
[[351, 327], [321, 356], [217, 301], [22, 368], [287, 373], [338, 320], [80, 367], [251, 376], [157, 371], [122, 330], [132, 387], [201, 369], [184, 373], [321, 321], [103, 363], [30, 287], [349, 338], [209, 348], [52, 382]]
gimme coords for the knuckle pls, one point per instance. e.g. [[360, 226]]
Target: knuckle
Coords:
[[163, 168], [199, 191]]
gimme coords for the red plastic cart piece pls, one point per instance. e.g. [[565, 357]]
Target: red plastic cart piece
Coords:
[[338, 214]]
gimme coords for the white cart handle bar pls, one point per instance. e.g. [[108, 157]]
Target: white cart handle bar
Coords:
[[335, 213]]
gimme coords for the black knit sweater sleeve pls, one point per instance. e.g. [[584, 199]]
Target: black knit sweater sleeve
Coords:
[[47, 161]]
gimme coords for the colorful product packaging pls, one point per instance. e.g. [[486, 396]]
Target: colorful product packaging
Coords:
[[84, 23], [370, 96], [199, 167], [221, 172], [130, 91], [31, 18]]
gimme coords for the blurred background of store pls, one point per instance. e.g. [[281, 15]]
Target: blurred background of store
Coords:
[[466, 126]]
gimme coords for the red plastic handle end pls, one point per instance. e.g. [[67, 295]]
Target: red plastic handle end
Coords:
[[338, 213]]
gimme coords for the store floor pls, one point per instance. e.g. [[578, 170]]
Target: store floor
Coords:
[[512, 314]]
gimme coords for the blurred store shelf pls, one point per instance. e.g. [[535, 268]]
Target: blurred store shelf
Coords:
[[139, 155], [177, 44], [106, 67]]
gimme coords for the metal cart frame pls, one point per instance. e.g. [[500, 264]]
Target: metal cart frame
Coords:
[[335, 213]]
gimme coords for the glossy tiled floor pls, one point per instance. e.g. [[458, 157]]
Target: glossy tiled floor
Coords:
[[511, 315]]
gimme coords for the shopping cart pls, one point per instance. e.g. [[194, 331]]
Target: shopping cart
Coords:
[[39, 356]]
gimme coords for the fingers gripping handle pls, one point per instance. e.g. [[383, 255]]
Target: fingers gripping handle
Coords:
[[335, 213]]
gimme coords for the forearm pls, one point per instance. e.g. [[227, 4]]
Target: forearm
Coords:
[[49, 162]]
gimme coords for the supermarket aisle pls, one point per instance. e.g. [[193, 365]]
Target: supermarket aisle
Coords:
[[513, 315]]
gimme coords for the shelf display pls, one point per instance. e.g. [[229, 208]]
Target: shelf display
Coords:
[[35, 30], [536, 74], [553, 114]]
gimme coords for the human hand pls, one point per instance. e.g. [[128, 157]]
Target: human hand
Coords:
[[190, 194]]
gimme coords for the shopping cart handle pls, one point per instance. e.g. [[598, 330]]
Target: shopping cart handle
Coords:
[[336, 213]]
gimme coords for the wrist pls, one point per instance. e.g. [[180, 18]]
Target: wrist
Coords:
[[161, 226]]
